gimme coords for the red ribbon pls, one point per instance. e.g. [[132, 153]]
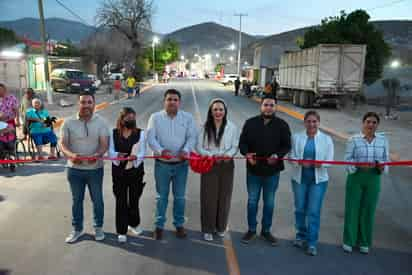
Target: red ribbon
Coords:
[[302, 161]]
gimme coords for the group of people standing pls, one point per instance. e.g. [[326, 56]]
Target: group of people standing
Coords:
[[264, 140]]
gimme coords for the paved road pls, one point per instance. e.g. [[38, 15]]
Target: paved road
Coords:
[[35, 218]]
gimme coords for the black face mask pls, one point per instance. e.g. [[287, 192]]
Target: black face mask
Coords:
[[130, 124]]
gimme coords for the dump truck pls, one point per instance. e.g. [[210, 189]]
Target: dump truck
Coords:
[[327, 73]]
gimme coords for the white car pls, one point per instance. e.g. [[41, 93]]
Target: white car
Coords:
[[96, 81], [229, 79]]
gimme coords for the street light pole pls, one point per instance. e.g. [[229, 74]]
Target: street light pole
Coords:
[[240, 41], [45, 55], [155, 40]]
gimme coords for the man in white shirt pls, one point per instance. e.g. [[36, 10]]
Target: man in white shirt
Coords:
[[172, 135]]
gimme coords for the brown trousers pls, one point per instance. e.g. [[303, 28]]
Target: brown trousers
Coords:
[[215, 196]]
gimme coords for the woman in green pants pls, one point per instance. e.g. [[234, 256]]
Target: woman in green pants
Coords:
[[363, 183]]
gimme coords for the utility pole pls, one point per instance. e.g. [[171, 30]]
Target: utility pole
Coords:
[[45, 55], [240, 41]]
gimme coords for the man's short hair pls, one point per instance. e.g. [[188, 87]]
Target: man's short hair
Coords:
[[172, 92], [269, 97], [84, 93]]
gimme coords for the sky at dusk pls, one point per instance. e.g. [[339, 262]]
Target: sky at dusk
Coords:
[[264, 16]]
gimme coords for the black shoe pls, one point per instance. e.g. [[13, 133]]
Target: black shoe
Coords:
[[181, 232], [267, 236], [158, 234], [248, 237]]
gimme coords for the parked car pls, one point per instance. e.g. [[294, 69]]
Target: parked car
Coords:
[[229, 79], [71, 81]]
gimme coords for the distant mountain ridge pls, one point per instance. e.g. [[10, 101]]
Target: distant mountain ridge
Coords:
[[202, 38]]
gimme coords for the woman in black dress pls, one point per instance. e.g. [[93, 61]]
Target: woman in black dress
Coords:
[[126, 140]]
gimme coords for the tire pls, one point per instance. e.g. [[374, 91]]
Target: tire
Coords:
[[230, 83]]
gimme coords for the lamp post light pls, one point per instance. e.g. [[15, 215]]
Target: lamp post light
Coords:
[[395, 64], [154, 42]]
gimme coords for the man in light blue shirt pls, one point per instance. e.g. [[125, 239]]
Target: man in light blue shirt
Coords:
[[172, 135]]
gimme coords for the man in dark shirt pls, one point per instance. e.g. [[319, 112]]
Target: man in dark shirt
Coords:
[[263, 139]]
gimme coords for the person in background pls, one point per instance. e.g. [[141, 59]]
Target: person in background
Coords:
[[126, 140], [172, 135], [85, 136], [117, 87], [268, 89], [219, 138], [40, 132], [263, 140], [9, 107], [26, 104], [309, 181], [130, 83], [275, 87], [237, 86], [363, 184]]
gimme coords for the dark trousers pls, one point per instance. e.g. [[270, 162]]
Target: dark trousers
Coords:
[[127, 189], [215, 197]]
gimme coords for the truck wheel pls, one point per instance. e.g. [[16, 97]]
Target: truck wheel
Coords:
[[303, 96]]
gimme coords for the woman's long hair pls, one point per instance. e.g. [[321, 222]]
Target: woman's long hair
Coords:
[[210, 127], [123, 113]]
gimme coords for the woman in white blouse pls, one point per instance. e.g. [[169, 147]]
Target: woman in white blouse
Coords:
[[310, 181], [127, 141], [219, 138]]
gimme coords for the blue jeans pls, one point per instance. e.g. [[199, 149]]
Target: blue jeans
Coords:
[[255, 184], [78, 180], [308, 204], [177, 175]]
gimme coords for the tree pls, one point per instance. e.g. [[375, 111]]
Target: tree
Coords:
[[165, 53], [353, 28], [7, 38], [129, 17]]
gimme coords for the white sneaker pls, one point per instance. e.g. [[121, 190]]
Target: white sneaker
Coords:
[[221, 234], [122, 238], [136, 230], [347, 248], [73, 236], [364, 250], [208, 237], [99, 234]]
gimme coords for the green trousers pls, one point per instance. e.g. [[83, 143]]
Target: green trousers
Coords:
[[362, 193]]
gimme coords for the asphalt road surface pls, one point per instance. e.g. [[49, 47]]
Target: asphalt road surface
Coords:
[[35, 217]]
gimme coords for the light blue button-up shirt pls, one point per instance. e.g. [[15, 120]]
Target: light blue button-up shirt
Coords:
[[176, 134]]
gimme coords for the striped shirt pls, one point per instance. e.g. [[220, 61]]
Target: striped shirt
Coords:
[[176, 134], [358, 149]]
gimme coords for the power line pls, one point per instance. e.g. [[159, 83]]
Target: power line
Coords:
[[72, 12]]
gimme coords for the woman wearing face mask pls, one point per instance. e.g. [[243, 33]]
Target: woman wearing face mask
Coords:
[[309, 181], [219, 138], [126, 140]]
